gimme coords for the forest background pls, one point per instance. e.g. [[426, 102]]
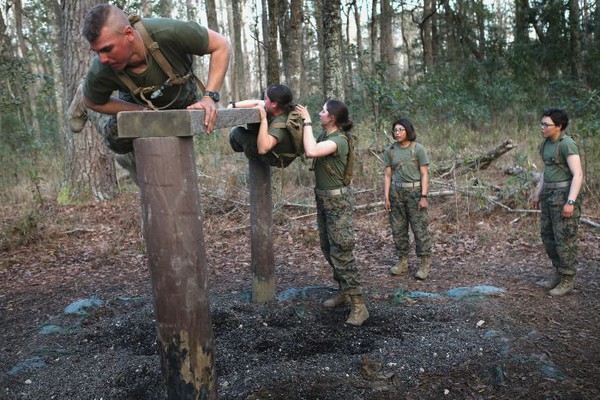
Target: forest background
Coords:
[[469, 74]]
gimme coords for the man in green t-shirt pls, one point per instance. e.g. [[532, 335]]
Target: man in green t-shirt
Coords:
[[269, 140], [558, 192], [121, 50]]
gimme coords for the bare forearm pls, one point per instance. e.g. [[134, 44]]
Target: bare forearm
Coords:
[[113, 106]]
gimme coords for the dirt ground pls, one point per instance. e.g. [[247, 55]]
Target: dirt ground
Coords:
[[478, 328]]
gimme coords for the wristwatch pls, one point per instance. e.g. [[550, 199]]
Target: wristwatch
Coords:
[[213, 95], [571, 202]]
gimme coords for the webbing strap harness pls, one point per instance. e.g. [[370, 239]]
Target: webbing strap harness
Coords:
[[557, 160], [347, 177], [154, 49], [413, 158]]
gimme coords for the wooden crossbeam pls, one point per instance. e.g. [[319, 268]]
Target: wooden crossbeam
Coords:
[[165, 123]]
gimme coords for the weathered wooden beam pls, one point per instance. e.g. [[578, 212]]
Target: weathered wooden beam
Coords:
[[135, 124], [172, 216]]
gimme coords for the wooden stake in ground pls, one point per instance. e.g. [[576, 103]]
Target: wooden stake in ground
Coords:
[[172, 217]]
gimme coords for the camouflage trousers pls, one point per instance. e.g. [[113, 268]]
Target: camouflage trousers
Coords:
[[106, 125], [405, 211], [244, 140], [559, 234], [336, 235]]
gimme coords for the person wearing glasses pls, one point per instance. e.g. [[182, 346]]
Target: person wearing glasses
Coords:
[[331, 154], [127, 62], [558, 193], [406, 186]]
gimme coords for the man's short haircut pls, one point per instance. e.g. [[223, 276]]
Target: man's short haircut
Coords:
[[94, 21], [558, 116]]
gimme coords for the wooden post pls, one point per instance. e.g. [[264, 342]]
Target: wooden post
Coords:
[[173, 230], [261, 228], [172, 219]]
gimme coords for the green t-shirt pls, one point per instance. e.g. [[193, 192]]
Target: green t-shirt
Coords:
[[179, 41], [284, 141], [402, 161], [336, 161], [554, 172]]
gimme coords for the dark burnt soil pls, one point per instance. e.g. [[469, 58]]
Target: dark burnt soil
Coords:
[[505, 339]]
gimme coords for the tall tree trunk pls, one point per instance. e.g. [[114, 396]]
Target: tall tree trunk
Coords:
[[272, 52], [32, 88], [575, 37], [521, 22], [296, 46], [386, 43], [426, 34], [333, 81], [89, 165], [373, 60], [211, 15], [283, 22]]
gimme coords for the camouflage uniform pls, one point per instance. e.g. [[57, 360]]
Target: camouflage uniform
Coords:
[[405, 163], [405, 211], [559, 235], [334, 216]]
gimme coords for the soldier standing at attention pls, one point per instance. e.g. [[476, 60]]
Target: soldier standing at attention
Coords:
[[334, 202], [558, 191], [406, 185]]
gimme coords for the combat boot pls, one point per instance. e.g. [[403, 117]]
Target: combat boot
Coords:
[[401, 267], [77, 112], [425, 268], [341, 299], [565, 286], [359, 312], [552, 282]]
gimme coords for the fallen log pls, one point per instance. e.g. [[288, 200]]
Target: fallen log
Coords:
[[463, 166]]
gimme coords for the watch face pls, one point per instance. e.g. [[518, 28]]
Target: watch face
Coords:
[[213, 95]]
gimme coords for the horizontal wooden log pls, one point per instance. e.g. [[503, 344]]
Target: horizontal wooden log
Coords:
[[164, 123]]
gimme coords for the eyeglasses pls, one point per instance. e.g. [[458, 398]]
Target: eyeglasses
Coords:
[[398, 130], [545, 125]]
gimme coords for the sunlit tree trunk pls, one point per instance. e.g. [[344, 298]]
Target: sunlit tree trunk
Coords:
[[89, 165], [32, 88], [271, 40], [296, 45], [283, 22], [333, 82]]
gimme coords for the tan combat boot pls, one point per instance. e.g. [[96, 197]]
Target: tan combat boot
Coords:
[[77, 112], [552, 282], [565, 286], [401, 267], [359, 312], [341, 299], [425, 268]]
